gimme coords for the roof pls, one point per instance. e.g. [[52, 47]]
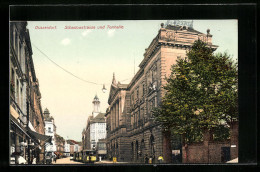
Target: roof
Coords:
[[48, 118], [72, 142], [59, 138], [96, 97], [99, 118], [46, 111]]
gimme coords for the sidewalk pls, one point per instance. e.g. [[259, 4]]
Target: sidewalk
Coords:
[[109, 162]]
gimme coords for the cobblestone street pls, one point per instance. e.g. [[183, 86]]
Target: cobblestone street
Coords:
[[66, 161]]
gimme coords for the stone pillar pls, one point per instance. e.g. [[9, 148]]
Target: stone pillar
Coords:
[[167, 151], [119, 112], [234, 140], [185, 154], [17, 147], [114, 117]]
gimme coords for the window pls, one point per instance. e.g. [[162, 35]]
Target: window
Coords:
[[137, 93], [12, 76], [17, 91], [21, 91], [143, 90], [49, 129]]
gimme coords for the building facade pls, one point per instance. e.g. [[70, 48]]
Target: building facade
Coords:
[[26, 119], [132, 133], [60, 142], [50, 130], [74, 146], [66, 149], [95, 128]]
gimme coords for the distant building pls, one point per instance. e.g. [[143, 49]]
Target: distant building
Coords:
[[95, 128], [74, 146], [66, 149], [60, 142], [50, 130], [101, 148]]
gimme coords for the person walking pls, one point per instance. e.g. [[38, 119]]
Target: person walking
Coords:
[[146, 159], [160, 159], [54, 157]]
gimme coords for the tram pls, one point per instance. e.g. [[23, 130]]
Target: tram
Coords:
[[101, 149], [89, 156], [80, 155]]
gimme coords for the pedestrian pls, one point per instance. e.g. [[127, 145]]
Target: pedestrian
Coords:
[[160, 159], [54, 157], [146, 159]]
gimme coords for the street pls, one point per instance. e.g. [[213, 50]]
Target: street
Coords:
[[68, 161]]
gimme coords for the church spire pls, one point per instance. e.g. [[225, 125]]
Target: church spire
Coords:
[[114, 79]]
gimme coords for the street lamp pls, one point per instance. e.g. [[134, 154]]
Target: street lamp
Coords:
[[104, 89]]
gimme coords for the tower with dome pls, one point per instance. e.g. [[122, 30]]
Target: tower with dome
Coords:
[[95, 128]]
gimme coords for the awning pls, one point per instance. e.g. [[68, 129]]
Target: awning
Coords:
[[40, 136], [18, 125]]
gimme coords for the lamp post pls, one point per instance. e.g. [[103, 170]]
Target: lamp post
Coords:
[[104, 89]]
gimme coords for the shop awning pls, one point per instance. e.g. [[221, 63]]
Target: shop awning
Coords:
[[18, 125], [39, 136]]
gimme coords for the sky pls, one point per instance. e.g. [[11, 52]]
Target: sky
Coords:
[[94, 55]]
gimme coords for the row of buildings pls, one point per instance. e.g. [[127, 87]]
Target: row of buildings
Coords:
[[32, 131], [131, 132], [27, 127], [58, 145]]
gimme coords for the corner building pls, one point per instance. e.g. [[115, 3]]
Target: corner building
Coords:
[[132, 133]]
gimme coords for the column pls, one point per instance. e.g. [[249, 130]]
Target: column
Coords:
[[17, 149], [119, 112]]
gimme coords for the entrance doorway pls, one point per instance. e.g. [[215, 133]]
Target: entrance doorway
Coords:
[[225, 154]]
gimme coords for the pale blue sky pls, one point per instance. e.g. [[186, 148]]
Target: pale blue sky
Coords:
[[94, 56]]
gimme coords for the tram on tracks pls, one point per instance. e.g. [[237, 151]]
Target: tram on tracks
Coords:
[[89, 156]]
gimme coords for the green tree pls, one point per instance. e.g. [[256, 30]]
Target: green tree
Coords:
[[201, 94]]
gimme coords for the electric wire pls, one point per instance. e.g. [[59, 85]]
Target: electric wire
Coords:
[[90, 82]]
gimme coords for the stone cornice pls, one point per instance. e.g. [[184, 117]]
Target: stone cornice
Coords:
[[136, 78], [141, 130], [174, 38]]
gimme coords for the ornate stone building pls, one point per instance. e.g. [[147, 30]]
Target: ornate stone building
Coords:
[[132, 133], [26, 118]]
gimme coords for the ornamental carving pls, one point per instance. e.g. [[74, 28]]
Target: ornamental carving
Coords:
[[171, 35]]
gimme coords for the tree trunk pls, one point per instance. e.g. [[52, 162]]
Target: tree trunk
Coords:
[[167, 151]]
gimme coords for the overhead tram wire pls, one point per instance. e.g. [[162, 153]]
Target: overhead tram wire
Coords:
[[90, 82]]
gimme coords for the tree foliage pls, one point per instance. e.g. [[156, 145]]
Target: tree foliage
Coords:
[[201, 93]]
